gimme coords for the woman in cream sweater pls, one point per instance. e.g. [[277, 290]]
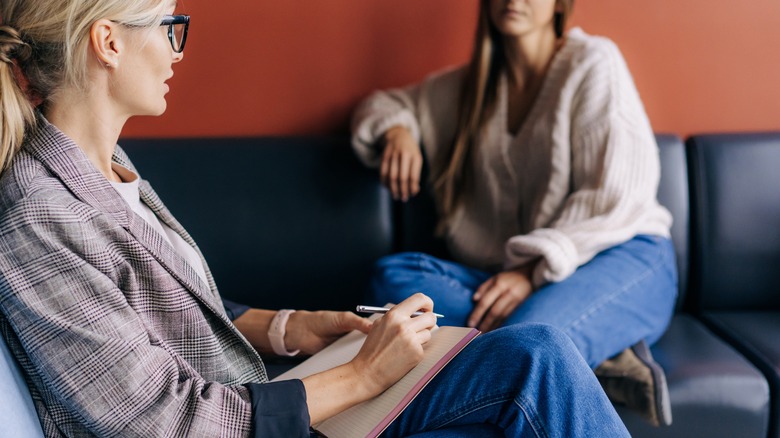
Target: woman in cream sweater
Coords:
[[544, 168]]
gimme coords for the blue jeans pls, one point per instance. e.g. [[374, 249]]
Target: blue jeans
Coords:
[[623, 295], [518, 381]]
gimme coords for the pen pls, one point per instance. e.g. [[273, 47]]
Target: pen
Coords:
[[372, 309]]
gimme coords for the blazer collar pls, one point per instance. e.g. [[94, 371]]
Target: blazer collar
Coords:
[[58, 153]]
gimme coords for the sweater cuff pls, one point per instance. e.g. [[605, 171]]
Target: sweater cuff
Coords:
[[279, 409], [233, 309], [369, 132], [403, 118], [558, 252]]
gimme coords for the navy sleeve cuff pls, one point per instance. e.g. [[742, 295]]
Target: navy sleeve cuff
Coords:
[[233, 309], [279, 409]]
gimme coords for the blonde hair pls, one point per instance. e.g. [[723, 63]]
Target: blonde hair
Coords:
[[477, 103], [43, 45]]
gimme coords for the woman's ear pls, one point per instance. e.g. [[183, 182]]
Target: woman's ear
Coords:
[[105, 42]]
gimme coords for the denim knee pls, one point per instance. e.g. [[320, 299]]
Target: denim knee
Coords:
[[536, 339], [404, 263], [391, 274]]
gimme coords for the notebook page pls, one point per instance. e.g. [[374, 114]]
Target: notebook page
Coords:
[[338, 353], [371, 417]]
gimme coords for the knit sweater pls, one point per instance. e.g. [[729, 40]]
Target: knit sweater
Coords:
[[578, 177]]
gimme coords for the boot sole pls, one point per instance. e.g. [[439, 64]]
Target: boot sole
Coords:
[[663, 406]]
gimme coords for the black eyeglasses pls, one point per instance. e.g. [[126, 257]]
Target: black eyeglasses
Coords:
[[177, 30]]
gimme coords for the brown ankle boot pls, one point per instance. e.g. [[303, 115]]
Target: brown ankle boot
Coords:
[[634, 379]]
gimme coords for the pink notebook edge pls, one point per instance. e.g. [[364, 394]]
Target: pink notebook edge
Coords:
[[423, 382]]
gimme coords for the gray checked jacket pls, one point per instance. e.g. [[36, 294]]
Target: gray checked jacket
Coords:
[[117, 335]]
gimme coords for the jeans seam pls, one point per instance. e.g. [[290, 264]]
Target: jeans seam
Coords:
[[460, 412], [659, 262], [532, 417], [529, 413]]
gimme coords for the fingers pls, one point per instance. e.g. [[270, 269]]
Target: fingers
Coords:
[[351, 321], [484, 303], [395, 170], [388, 172], [409, 167], [497, 313], [403, 313], [401, 164], [481, 305], [498, 298], [414, 175], [484, 287], [418, 301], [423, 336], [404, 171], [395, 342]]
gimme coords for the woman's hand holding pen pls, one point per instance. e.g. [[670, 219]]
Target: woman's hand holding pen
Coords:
[[401, 163], [392, 348], [395, 343]]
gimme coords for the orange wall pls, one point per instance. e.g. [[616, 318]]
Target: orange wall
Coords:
[[297, 67]]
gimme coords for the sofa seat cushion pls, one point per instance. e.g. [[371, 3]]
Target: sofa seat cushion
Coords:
[[757, 336], [18, 417], [714, 390]]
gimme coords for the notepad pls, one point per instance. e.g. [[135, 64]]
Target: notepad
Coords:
[[370, 418]]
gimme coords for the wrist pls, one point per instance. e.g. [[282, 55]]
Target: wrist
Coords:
[[366, 386], [396, 130], [527, 270]]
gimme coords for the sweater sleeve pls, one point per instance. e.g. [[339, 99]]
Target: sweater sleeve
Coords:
[[427, 109], [379, 112], [614, 176]]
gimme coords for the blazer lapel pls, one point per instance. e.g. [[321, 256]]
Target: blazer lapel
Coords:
[[179, 267], [176, 264], [69, 163]]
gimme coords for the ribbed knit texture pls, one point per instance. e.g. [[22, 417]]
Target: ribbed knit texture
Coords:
[[579, 176]]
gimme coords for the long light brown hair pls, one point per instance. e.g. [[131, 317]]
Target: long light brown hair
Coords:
[[477, 104]]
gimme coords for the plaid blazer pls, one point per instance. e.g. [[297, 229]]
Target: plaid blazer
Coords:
[[116, 333]]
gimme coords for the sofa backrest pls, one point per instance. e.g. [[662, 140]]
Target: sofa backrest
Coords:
[[673, 194], [282, 222], [735, 191], [18, 418]]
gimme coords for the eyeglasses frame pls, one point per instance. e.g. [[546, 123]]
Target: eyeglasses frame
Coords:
[[170, 21]]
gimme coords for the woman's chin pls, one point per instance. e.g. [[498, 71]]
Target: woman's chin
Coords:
[[156, 111]]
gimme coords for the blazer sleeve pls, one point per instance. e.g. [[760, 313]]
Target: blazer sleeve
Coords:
[[91, 352]]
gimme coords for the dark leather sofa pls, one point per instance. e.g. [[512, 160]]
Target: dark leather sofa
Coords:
[[297, 223]]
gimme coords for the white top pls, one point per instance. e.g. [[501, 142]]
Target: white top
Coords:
[[579, 176], [129, 191]]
